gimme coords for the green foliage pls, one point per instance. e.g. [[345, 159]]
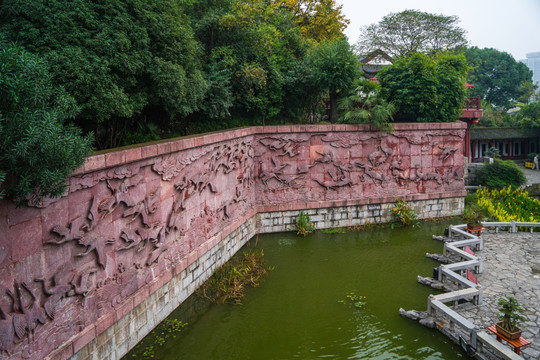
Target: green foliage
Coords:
[[184, 65], [509, 204], [334, 231], [229, 282], [497, 77], [473, 214], [496, 117], [366, 105], [303, 223], [500, 174], [115, 58], [335, 69], [144, 132], [493, 152], [318, 20], [358, 301], [250, 48], [37, 150], [426, 88], [511, 311], [529, 115], [405, 215], [411, 31], [168, 329]]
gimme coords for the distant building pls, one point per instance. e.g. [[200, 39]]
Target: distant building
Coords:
[[512, 142], [533, 62], [373, 62]]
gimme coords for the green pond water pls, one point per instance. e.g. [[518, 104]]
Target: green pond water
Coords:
[[300, 310]]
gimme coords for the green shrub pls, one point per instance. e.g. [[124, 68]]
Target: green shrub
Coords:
[[500, 174], [303, 224], [473, 214], [426, 88], [493, 152], [404, 213], [38, 149]]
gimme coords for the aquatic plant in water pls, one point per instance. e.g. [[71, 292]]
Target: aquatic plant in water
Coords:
[[229, 282], [157, 338], [334, 231], [358, 301]]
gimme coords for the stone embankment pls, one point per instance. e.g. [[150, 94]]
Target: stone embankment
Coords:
[[511, 268]]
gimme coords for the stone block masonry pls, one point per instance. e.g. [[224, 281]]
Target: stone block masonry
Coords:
[[357, 215], [87, 275]]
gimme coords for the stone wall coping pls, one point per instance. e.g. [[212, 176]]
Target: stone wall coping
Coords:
[[113, 157]]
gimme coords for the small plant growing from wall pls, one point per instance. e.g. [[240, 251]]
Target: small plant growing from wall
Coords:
[[405, 215], [304, 225]]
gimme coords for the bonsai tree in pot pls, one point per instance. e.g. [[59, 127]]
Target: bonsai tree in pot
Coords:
[[473, 215], [510, 317]]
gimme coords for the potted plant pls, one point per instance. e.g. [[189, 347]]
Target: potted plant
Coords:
[[473, 216], [510, 318]]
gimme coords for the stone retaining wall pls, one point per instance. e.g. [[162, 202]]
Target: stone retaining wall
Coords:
[[140, 228], [357, 215]]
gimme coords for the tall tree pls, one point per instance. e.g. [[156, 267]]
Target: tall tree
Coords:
[[335, 69], [426, 88], [366, 105], [497, 76], [116, 58], [529, 115], [410, 31], [38, 150], [319, 20], [253, 47]]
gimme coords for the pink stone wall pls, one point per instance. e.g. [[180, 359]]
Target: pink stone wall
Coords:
[[134, 218], [314, 167]]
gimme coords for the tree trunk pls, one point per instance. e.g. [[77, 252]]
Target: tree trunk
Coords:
[[332, 113]]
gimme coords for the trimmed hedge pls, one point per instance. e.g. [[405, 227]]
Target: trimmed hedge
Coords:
[[500, 174]]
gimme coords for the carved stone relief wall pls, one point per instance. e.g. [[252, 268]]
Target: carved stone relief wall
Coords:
[[67, 264], [357, 165], [117, 230]]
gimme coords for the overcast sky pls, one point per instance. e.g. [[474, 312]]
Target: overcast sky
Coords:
[[512, 26]]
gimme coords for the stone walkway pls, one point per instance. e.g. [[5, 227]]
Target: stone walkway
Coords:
[[533, 176], [511, 268]]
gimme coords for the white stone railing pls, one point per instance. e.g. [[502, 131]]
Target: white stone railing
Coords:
[[456, 273]]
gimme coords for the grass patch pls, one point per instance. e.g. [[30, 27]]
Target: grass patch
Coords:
[[229, 282], [334, 231]]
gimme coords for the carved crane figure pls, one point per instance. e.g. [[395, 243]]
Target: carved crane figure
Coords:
[[26, 321], [6, 332], [56, 291]]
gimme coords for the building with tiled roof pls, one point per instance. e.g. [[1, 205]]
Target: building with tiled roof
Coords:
[[512, 142]]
